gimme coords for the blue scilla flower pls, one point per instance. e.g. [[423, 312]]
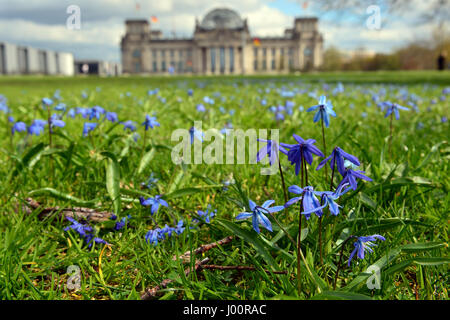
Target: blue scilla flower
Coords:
[[350, 175], [85, 231], [324, 111], [151, 181], [60, 107], [71, 113], [393, 108], [179, 229], [111, 116], [153, 202], [304, 149], [120, 224], [206, 215], [190, 92], [271, 150], [338, 157], [88, 127], [363, 244], [18, 126], [47, 102], [36, 127], [129, 124], [310, 202], [329, 198], [257, 214], [208, 100], [152, 236], [150, 122], [96, 112], [83, 111], [194, 133], [200, 108]]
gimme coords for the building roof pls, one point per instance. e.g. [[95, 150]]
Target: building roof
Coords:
[[222, 18]]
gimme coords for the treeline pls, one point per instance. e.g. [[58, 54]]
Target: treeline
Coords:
[[414, 56]]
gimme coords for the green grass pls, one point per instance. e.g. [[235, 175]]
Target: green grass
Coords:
[[407, 202]]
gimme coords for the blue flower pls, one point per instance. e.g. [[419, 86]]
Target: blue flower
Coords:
[[152, 236], [310, 203], [179, 229], [96, 112], [201, 108], [351, 175], [19, 126], [150, 122], [393, 107], [88, 127], [324, 111], [153, 202], [206, 215], [304, 149], [120, 224], [111, 116], [36, 127], [56, 122], [151, 181], [190, 92], [194, 133], [47, 101], [271, 149], [85, 231], [362, 244], [129, 125], [338, 157], [258, 216], [328, 199]]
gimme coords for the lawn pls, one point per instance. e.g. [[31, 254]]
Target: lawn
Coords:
[[97, 208]]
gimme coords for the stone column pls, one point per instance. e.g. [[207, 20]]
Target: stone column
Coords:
[[208, 60]]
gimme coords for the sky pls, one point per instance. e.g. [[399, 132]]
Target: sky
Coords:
[[42, 23]]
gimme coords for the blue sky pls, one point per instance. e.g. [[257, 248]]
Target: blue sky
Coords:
[[41, 23]]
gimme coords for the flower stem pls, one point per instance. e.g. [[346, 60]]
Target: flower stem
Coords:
[[391, 129], [340, 260], [299, 238], [284, 187], [324, 150]]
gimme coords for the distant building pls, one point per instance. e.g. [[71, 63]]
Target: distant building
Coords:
[[16, 59], [96, 67], [221, 44]]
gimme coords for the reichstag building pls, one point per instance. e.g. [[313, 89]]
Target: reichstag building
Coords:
[[221, 44]]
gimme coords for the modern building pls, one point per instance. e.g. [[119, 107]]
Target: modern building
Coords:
[[16, 59], [97, 67], [221, 44]]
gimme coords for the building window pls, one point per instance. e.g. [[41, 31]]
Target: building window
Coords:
[[291, 51], [222, 59], [172, 53], [231, 59], [307, 52], [136, 53], [155, 66], [273, 51], [264, 52], [264, 65], [137, 67], [213, 59], [163, 66], [255, 52], [291, 63], [282, 51], [273, 64], [163, 53], [180, 66], [181, 53], [255, 65], [154, 53]]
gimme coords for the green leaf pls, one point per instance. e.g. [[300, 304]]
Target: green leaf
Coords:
[[146, 160], [422, 246], [189, 191], [50, 192], [252, 238], [340, 295], [113, 180]]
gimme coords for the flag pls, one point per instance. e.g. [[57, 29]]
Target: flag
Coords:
[[256, 42], [138, 6], [154, 19], [305, 5]]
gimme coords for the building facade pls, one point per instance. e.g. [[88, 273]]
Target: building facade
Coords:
[[27, 60], [221, 44], [97, 67]]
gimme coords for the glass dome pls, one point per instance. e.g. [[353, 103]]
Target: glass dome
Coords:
[[222, 19]]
